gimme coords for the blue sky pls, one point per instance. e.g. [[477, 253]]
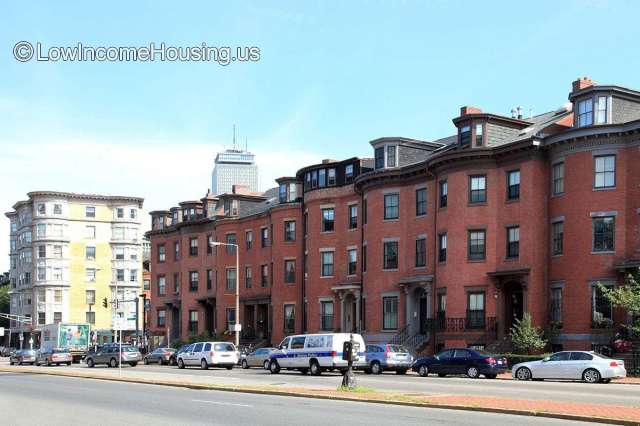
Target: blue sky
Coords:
[[332, 76]]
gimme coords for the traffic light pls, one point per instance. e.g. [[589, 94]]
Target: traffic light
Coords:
[[105, 303]]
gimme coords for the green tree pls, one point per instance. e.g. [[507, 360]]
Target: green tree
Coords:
[[626, 296], [4, 304], [525, 337]]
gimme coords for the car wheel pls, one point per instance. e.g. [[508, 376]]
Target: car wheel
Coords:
[[490, 376], [146, 361], [473, 372], [523, 373], [172, 361], [423, 370], [401, 371], [180, 363], [314, 368], [245, 364], [274, 368], [375, 367], [90, 363], [203, 364], [591, 375], [133, 364], [113, 363]]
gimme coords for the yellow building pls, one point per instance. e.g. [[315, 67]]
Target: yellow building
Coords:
[[72, 252]]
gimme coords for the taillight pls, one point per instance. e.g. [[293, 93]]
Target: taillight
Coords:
[[613, 364], [491, 360], [334, 354], [387, 352]]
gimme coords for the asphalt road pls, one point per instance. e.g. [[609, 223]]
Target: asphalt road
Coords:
[[614, 394], [35, 399]]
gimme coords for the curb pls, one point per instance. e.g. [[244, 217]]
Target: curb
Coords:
[[613, 381], [248, 390]]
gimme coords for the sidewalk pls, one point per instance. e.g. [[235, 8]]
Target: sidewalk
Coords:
[[601, 413], [626, 380]]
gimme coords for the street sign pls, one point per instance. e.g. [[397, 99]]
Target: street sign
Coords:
[[21, 337], [1, 331], [237, 327]]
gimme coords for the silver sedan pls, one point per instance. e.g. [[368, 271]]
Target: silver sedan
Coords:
[[257, 358]]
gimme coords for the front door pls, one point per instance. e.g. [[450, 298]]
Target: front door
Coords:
[[514, 305]]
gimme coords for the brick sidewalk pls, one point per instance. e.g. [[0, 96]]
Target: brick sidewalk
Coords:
[[626, 380]]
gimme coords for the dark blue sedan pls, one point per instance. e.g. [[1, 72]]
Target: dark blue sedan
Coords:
[[472, 362]]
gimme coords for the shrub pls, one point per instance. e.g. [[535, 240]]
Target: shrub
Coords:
[[525, 337]]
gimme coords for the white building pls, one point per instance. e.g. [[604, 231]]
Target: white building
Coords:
[[234, 167]]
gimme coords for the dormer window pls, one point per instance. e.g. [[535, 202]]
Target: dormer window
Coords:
[[601, 110], [479, 134], [314, 179], [331, 177], [283, 193], [386, 156], [585, 113], [322, 178], [348, 173], [379, 157], [391, 156], [465, 135]]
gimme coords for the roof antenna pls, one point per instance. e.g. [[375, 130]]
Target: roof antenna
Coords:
[[246, 144], [234, 137]]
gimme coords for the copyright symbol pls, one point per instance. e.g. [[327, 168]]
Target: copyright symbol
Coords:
[[23, 51]]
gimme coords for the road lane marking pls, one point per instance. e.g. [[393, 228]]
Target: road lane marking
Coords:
[[222, 403]]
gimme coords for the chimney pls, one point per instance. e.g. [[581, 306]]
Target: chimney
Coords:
[[581, 83], [519, 111], [240, 189], [465, 110]]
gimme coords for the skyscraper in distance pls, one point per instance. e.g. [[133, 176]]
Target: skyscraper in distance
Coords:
[[234, 167]]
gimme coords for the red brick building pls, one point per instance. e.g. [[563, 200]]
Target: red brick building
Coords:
[[429, 244]]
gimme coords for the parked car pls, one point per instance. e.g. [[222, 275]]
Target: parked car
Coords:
[[159, 355], [209, 354], [111, 356], [572, 365], [387, 357], [23, 356], [257, 358], [472, 362], [53, 356], [173, 359], [315, 353]]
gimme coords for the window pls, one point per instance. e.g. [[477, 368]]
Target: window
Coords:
[[90, 274], [176, 283], [209, 279], [442, 305], [42, 209], [119, 274], [42, 252], [248, 277], [289, 318], [348, 173], [353, 216], [444, 189], [146, 284], [326, 316], [161, 253], [603, 234], [57, 317], [475, 310], [231, 239], [42, 273], [479, 134], [322, 178], [42, 319], [90, 252], [601, 110], [57, 296], [161, 317], [230, 315], [477, 189], [248, 239], [289, 230], [442, 247], [477, 244], [264, 276], [605, 171], [391, 206], [133, 275], [57, 274], [513, 185], [282, 193], [331, 177], [558, 178], [390, 255], [327, 220], [90, 211], [161, 286], [41, 230], [513, 241], [289, 271], [307, 181], [390, 313], [421, 201], [57, 209], [421, 252], [118, 233], [119, 213], [90, 297], [193, 281], [353, 259], [555, 311], [264, 237], [314, 179], [133, 213], [327, 264], [231, 278], [391, 156], [557, 236], [176, 250], [118, 253], [585, 113], [379, 158], [193, 246], [193, 322], [465, 135], [90, 232], [602, 307]]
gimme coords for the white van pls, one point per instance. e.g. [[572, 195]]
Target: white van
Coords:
[[315, 353], [209, 354]]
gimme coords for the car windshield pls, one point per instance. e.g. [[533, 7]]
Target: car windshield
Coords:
[[482, 353], [129, 349], [224, 347], [600, 355]]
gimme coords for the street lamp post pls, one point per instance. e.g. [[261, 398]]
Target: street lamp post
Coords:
[[237, 284]]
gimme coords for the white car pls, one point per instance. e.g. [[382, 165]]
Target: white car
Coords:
[[209, 354], [572, 365]]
